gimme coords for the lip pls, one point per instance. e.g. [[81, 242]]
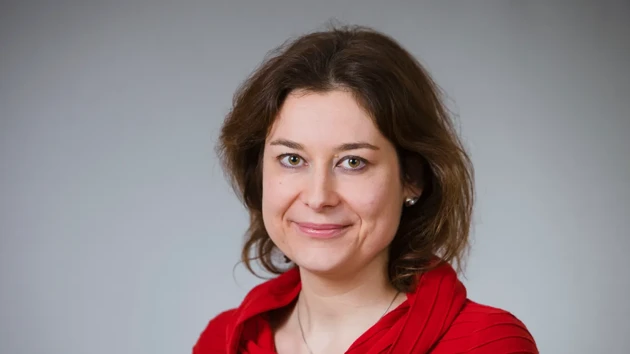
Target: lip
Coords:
[[321, 231]]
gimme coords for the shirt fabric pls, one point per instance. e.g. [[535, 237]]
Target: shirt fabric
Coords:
[[435, 318]]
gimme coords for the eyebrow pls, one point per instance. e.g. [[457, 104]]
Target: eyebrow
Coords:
[[343, 147]]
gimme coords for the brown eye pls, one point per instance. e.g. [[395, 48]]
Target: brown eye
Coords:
[[353, 163], [291, 160]]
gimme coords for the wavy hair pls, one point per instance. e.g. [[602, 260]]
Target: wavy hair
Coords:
[[407, 107]]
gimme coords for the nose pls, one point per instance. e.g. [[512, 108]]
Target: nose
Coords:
[[319, 191]]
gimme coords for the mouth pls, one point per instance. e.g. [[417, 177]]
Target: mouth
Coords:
[[321, 231]]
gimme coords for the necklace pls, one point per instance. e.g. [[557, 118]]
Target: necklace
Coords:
[[302, 329]]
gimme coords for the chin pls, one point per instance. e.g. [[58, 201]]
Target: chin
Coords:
[[331, 264], [323, 262]]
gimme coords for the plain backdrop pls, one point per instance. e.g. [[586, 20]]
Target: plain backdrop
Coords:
[[119, 233]]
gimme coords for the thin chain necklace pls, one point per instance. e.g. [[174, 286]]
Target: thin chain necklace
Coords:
[[302, 329]]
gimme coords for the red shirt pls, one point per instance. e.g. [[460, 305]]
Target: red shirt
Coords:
[[435, 318]]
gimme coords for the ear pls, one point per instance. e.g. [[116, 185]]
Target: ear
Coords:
[[412, 191], [414, 175], [412, 188]]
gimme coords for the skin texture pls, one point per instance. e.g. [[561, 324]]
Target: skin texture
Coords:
[[332, 200], [320, 184]]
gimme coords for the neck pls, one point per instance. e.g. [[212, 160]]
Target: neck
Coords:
[[330, 302]]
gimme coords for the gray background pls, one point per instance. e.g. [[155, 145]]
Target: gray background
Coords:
[[119, 233]]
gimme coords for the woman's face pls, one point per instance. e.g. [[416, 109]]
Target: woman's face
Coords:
[[332, 191]]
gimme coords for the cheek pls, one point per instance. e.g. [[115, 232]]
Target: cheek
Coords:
[[378, 203], [277, 198], [374, 201]]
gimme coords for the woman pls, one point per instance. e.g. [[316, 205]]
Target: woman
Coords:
[[360, 198]]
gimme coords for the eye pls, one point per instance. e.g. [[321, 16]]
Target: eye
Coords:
[[291, 160], [353, 163]]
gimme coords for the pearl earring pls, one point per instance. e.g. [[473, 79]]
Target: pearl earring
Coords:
[[410, 201]]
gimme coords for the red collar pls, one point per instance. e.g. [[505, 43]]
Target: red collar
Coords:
[[420, 321]]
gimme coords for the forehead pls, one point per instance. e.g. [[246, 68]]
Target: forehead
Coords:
[[333, 116]]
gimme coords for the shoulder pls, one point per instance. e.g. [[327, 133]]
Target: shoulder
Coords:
[[213, 338], [227, 326], [482, 329]]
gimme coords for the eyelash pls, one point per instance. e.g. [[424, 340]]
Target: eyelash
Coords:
[[363, 162]]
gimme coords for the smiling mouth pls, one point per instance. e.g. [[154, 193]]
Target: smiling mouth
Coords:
[[321, 231]]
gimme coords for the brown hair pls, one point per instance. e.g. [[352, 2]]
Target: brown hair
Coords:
[[406, 106]]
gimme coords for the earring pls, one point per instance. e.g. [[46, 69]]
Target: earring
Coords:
[[410, 201]]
